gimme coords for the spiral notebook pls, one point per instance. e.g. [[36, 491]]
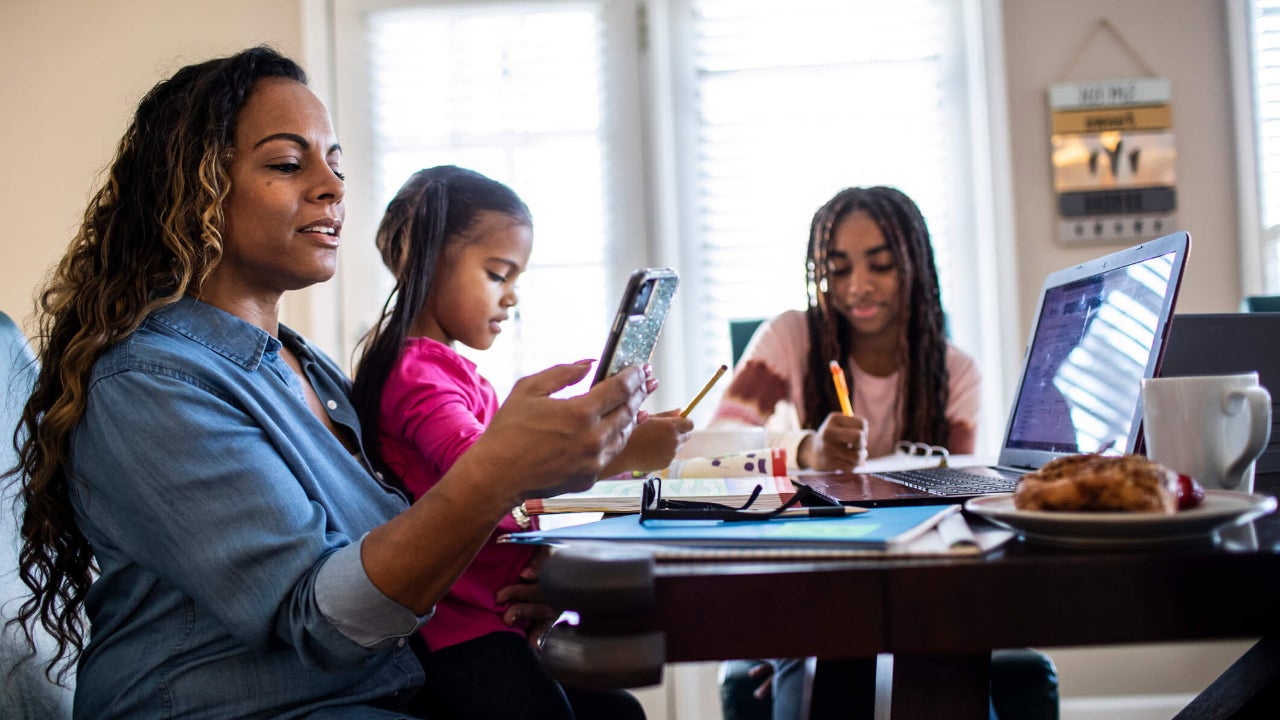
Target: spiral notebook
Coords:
[[1100, 328]]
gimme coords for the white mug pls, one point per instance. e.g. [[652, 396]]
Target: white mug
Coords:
[[1211, 427]]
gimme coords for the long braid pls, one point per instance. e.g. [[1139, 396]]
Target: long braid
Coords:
[[924, 389], [829, 333], [151, 234]]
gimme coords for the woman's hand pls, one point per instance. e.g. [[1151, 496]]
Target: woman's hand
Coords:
[[525, 605], [653, 443], [840, 443], [538, 445]]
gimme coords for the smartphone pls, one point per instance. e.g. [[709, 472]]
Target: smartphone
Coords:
[[638, 324]]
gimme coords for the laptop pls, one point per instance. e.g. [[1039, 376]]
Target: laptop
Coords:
[[1100, 328], [1224, 343]]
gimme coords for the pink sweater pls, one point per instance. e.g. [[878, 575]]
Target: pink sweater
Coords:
[[434, 407], [768, 390]]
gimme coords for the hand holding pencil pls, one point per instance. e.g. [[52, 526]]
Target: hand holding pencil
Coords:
[[842, 388], [653, 444], [840, 443], [655, 441]]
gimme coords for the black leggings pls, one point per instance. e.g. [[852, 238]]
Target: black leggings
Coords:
[[498, 676]]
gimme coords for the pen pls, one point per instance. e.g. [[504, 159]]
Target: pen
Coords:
[[842, 387], [705, 388], [839, 511]]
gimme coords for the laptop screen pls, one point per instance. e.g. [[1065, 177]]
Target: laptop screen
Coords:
[[1093, 342]]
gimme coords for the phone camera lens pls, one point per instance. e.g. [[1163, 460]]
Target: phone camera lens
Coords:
[[642, 299]]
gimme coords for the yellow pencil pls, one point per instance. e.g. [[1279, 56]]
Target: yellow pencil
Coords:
[[705, 388], [842, 387]]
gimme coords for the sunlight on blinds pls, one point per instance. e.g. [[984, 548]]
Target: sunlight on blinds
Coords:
[[514, 92], [795, 102], [1267, 82]]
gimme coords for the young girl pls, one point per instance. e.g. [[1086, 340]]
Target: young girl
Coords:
[[875, 307], [456, 242]]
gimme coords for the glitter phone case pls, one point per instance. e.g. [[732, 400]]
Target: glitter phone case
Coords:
[[641, 315]]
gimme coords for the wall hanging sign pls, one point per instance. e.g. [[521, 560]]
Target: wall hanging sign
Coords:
[[1114, 159]]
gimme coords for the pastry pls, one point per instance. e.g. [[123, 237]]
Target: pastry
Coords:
[[1085, 483]]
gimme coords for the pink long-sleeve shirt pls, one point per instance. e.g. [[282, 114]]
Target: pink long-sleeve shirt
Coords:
[[434, 407]]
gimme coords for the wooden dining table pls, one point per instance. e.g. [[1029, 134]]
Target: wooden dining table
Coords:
[[940, 617]]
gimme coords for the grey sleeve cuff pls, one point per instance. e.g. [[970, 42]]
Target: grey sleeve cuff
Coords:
[[349, 600]]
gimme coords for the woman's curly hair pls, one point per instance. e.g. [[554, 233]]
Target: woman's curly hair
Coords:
[[151, 234]]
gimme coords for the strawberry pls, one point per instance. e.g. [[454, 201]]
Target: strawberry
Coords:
[[1190, 492]]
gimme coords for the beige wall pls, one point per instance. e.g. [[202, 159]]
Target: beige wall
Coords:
[[1183, 40], [71, 72]]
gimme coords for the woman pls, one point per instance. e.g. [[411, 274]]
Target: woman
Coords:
[[193, 479]]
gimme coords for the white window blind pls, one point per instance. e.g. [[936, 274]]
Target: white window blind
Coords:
[[696, 134], [1266, 77], [794, 101], [514, 91]]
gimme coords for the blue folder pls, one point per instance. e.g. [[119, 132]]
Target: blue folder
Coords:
[[879, 527]]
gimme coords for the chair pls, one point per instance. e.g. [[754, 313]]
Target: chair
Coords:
[[1261, 303], [25, 692], [1024, 686], [740, 332]]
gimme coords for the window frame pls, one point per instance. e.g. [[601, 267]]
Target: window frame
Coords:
[[1252, 235]]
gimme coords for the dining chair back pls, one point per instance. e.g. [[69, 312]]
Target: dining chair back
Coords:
[[25, 692]]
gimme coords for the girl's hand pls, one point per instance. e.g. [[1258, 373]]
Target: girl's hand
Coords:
[[653, 444], [840, 443], [762, 673], [525, 604]]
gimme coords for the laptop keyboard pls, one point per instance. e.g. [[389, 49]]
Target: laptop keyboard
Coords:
[[953, 481]]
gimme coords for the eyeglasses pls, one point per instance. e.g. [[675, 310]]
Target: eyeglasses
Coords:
[[654, 507]]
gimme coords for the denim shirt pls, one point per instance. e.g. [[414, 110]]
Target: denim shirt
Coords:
[[226, 521]]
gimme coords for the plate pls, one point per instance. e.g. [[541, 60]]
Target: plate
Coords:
[[1220, 509]]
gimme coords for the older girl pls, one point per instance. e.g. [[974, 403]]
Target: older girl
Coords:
[[874, 307]]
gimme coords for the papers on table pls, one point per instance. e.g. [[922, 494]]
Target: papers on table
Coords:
[[883, 531], [623, 496]]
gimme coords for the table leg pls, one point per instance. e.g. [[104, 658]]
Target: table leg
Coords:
[[1250, 688], [844, 689], [957, 687]]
